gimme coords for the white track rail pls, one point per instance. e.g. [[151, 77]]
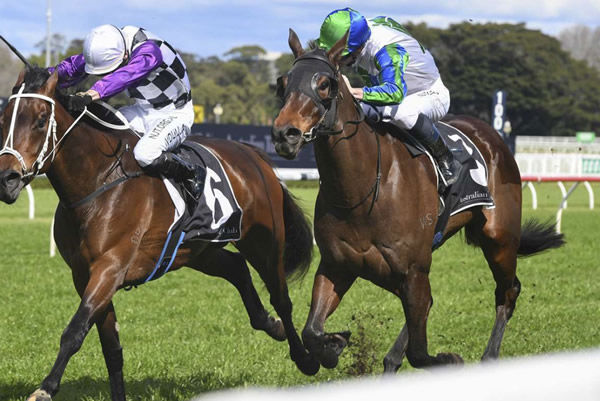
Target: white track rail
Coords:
[[560, 377]]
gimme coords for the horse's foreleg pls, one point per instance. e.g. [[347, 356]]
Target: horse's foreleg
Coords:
[[280, 299], [328, 289], [393, 360], [415, 294], [96, 297], [233, 268], [113, 353]]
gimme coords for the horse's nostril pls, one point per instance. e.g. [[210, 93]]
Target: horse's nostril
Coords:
[[12, 175], [8, 176], [286, 133], [10, 186], [293, 132]]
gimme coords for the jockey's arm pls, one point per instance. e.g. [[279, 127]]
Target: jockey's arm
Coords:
[[391, 61], [144, 59], [71, 70]]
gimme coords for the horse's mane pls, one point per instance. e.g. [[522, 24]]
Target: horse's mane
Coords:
[[35, 78]]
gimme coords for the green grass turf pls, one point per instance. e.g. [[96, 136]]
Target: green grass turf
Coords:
[[188, 333]]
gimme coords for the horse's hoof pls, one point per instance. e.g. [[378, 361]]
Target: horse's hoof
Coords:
[[334, 345], [329, 358], [39, 395], [308, 365], [449, 359], [275, 329]]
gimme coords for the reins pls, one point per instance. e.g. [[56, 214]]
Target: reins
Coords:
[[375, 187], [105, 187], [44, 154], [320, 129]]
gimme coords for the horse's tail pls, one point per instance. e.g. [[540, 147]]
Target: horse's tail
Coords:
[[537, 237], [298, 250]]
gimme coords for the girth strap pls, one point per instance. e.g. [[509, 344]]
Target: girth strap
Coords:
[[103, 189]]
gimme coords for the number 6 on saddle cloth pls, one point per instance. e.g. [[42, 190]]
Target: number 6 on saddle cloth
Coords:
[[216, 216]]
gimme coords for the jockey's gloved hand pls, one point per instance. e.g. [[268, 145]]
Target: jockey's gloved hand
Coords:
[[78, 101]]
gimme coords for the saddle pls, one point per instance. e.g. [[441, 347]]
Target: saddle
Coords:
[[215, 216], [471, 188]]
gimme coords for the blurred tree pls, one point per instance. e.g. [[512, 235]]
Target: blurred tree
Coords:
[[75, 47], [284, 63], [548, 92], [57, 46], [244, 96], [247, 53], [253, 57], [582, 43]]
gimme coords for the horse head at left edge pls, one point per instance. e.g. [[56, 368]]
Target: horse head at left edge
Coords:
[[28, 131]]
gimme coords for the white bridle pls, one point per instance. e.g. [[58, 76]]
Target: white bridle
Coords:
[[51, 132]]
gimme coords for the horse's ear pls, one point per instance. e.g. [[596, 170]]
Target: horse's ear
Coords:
[[335, 53], [295, 44], [50, 85]]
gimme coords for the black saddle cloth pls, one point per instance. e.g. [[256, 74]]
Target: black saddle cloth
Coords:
[[471, 188], [216, 216]]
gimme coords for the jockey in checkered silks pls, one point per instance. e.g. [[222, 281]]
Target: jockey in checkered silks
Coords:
[[403, 83], [151, 72]]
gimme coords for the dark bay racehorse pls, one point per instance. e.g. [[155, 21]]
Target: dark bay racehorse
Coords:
[[115, 239], [373, 198]]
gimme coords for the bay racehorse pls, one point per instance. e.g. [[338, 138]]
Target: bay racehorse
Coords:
[[373, 197], [114, 237]]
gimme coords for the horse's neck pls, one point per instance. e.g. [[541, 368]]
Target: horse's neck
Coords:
[[347, 162], [81, 163]]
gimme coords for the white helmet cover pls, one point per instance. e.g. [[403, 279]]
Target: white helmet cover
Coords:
[[103, 49]]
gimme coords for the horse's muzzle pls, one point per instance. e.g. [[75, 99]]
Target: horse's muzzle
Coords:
[[287, 141], [11, 185]]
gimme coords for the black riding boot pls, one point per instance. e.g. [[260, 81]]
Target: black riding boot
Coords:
[[173, 166], [428, 135]]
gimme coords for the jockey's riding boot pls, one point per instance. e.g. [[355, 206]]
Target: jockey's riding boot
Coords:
[[429, 136], [449, 166], [173, 166]]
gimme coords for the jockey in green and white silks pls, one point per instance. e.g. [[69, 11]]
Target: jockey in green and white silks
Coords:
[[403, 83]]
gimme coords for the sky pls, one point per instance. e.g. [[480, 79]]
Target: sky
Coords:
[[210, 28]]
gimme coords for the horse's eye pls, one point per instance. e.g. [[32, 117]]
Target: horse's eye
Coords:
[[42, 122], [324, 85]]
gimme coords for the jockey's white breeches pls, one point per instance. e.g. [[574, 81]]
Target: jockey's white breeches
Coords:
[[434, 102], [162, 130]]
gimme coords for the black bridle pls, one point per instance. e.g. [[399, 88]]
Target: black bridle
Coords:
[[305, 67], [303, 78]]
